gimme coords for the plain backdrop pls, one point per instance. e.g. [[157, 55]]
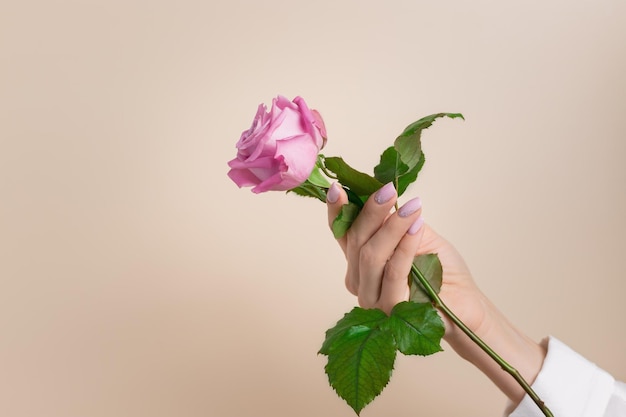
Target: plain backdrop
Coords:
[[137, 280]]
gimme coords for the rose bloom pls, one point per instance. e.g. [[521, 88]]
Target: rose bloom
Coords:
[[280, 149]]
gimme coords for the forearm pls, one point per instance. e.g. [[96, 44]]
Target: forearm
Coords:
[[510, 343]]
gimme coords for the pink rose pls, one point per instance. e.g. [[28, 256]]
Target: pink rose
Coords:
[[280, 149]]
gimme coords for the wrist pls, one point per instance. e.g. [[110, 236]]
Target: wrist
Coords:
[[516, 348]]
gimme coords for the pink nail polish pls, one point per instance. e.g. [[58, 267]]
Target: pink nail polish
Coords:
[[416, 226], [333, 193], [410, 207], [385, 194]]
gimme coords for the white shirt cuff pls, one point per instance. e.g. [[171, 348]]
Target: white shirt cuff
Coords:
[[568, 384]]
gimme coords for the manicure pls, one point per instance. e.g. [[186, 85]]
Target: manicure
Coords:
[[385, 194], [410, 207], [416, 226], [333, 193]]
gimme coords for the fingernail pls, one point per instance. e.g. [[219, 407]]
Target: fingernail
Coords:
[[416, 226], [385, 194], [333, 193], [410, 207]]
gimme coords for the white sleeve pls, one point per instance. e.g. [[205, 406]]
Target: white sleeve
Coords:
[[571, 386]]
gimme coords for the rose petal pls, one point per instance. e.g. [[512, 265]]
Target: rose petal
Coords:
[[266, 143], [300, 155], [319, 122], [273, 183], [313, 122], [257, 123], [243, 177], [265, 162], [291, 125], [283, 102]]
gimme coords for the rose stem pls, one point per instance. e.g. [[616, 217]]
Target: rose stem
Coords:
[[329, 174], [503, 364]]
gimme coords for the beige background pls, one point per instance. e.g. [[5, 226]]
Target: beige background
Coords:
[[137, 280]]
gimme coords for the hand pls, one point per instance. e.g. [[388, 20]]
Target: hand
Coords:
[[379, 249]]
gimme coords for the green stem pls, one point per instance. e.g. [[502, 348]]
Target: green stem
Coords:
[[322, 166], [395, 184], [493, 355], [328, 173]]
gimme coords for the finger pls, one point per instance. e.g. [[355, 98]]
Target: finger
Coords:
[[369, 220], [380, 248], [335, 198], [395, 285]]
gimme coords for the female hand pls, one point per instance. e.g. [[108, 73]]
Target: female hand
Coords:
[[379, 249]]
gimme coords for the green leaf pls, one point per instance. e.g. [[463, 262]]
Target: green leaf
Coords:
[[307, 189], [417, 328], [430, 267], [344, 219], [371, 318], [390, 166], [407, 179], [360, 183], [317, 178], [409, 145], [392, 169], [360, 363], [353, 198]]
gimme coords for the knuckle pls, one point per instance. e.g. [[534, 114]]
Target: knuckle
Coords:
[[368, 256], [387, 306], [352, 280], [366, 301], [395, 271], [402, 252], [351, 285], [352, 239]]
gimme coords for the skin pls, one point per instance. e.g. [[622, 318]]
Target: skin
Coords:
[[379, 253]]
